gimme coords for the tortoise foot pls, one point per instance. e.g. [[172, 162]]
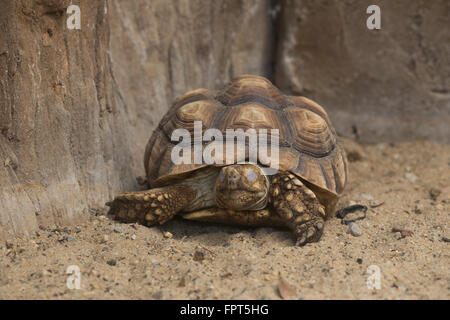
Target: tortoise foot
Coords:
[[298, 207], [309, 231]]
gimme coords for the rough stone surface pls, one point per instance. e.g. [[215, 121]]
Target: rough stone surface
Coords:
[[77, 106], [391, 84]]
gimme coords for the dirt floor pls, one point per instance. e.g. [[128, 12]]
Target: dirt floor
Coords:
[[406, 187]]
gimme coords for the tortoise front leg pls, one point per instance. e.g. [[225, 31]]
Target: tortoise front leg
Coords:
[[151, 206], [298, 207]]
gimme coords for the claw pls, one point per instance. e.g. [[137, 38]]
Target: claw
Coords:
[[301, 242], [311, 232]]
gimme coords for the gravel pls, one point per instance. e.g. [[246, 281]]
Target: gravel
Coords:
[[434, 193], [111, 262], [150, 266], [354, 229], [367, 197], [168, 235], [118, 229], [411, 177], [418, 208]]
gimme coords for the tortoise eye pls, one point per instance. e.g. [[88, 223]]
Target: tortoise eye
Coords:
[[251, 175]]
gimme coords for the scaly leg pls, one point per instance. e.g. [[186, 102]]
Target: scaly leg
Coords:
[[151, 206], [298, 207]]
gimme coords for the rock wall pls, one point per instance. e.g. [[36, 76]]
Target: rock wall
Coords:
[[78, 106], [391, 84]]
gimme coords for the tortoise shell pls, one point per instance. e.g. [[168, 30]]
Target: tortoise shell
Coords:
[[307, 139]]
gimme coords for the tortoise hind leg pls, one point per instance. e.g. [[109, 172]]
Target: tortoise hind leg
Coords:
[[151, 206], [298, 207]]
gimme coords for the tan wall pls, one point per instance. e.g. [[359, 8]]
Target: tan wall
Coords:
[[78, 106], [391, 84]]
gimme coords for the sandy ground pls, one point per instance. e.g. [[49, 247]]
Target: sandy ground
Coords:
[[406, 186]]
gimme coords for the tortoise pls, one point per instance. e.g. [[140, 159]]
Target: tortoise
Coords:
[[299, 194]]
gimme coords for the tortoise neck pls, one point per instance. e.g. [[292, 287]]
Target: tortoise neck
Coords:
[[203, 183]]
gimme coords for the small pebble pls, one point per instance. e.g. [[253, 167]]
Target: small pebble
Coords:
[[111, 262], [354, 229], [418, 208], [199, 256], [401, 233], [117, 229], [133, 237], [368, 197], [353, 156], [182, 282], [176, 250], [434, 193], [411, 177], [168, 235]]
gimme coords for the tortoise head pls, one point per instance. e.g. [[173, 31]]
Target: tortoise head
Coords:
[[242, 187]]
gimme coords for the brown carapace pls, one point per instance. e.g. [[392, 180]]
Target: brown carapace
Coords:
[[312, 167]]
